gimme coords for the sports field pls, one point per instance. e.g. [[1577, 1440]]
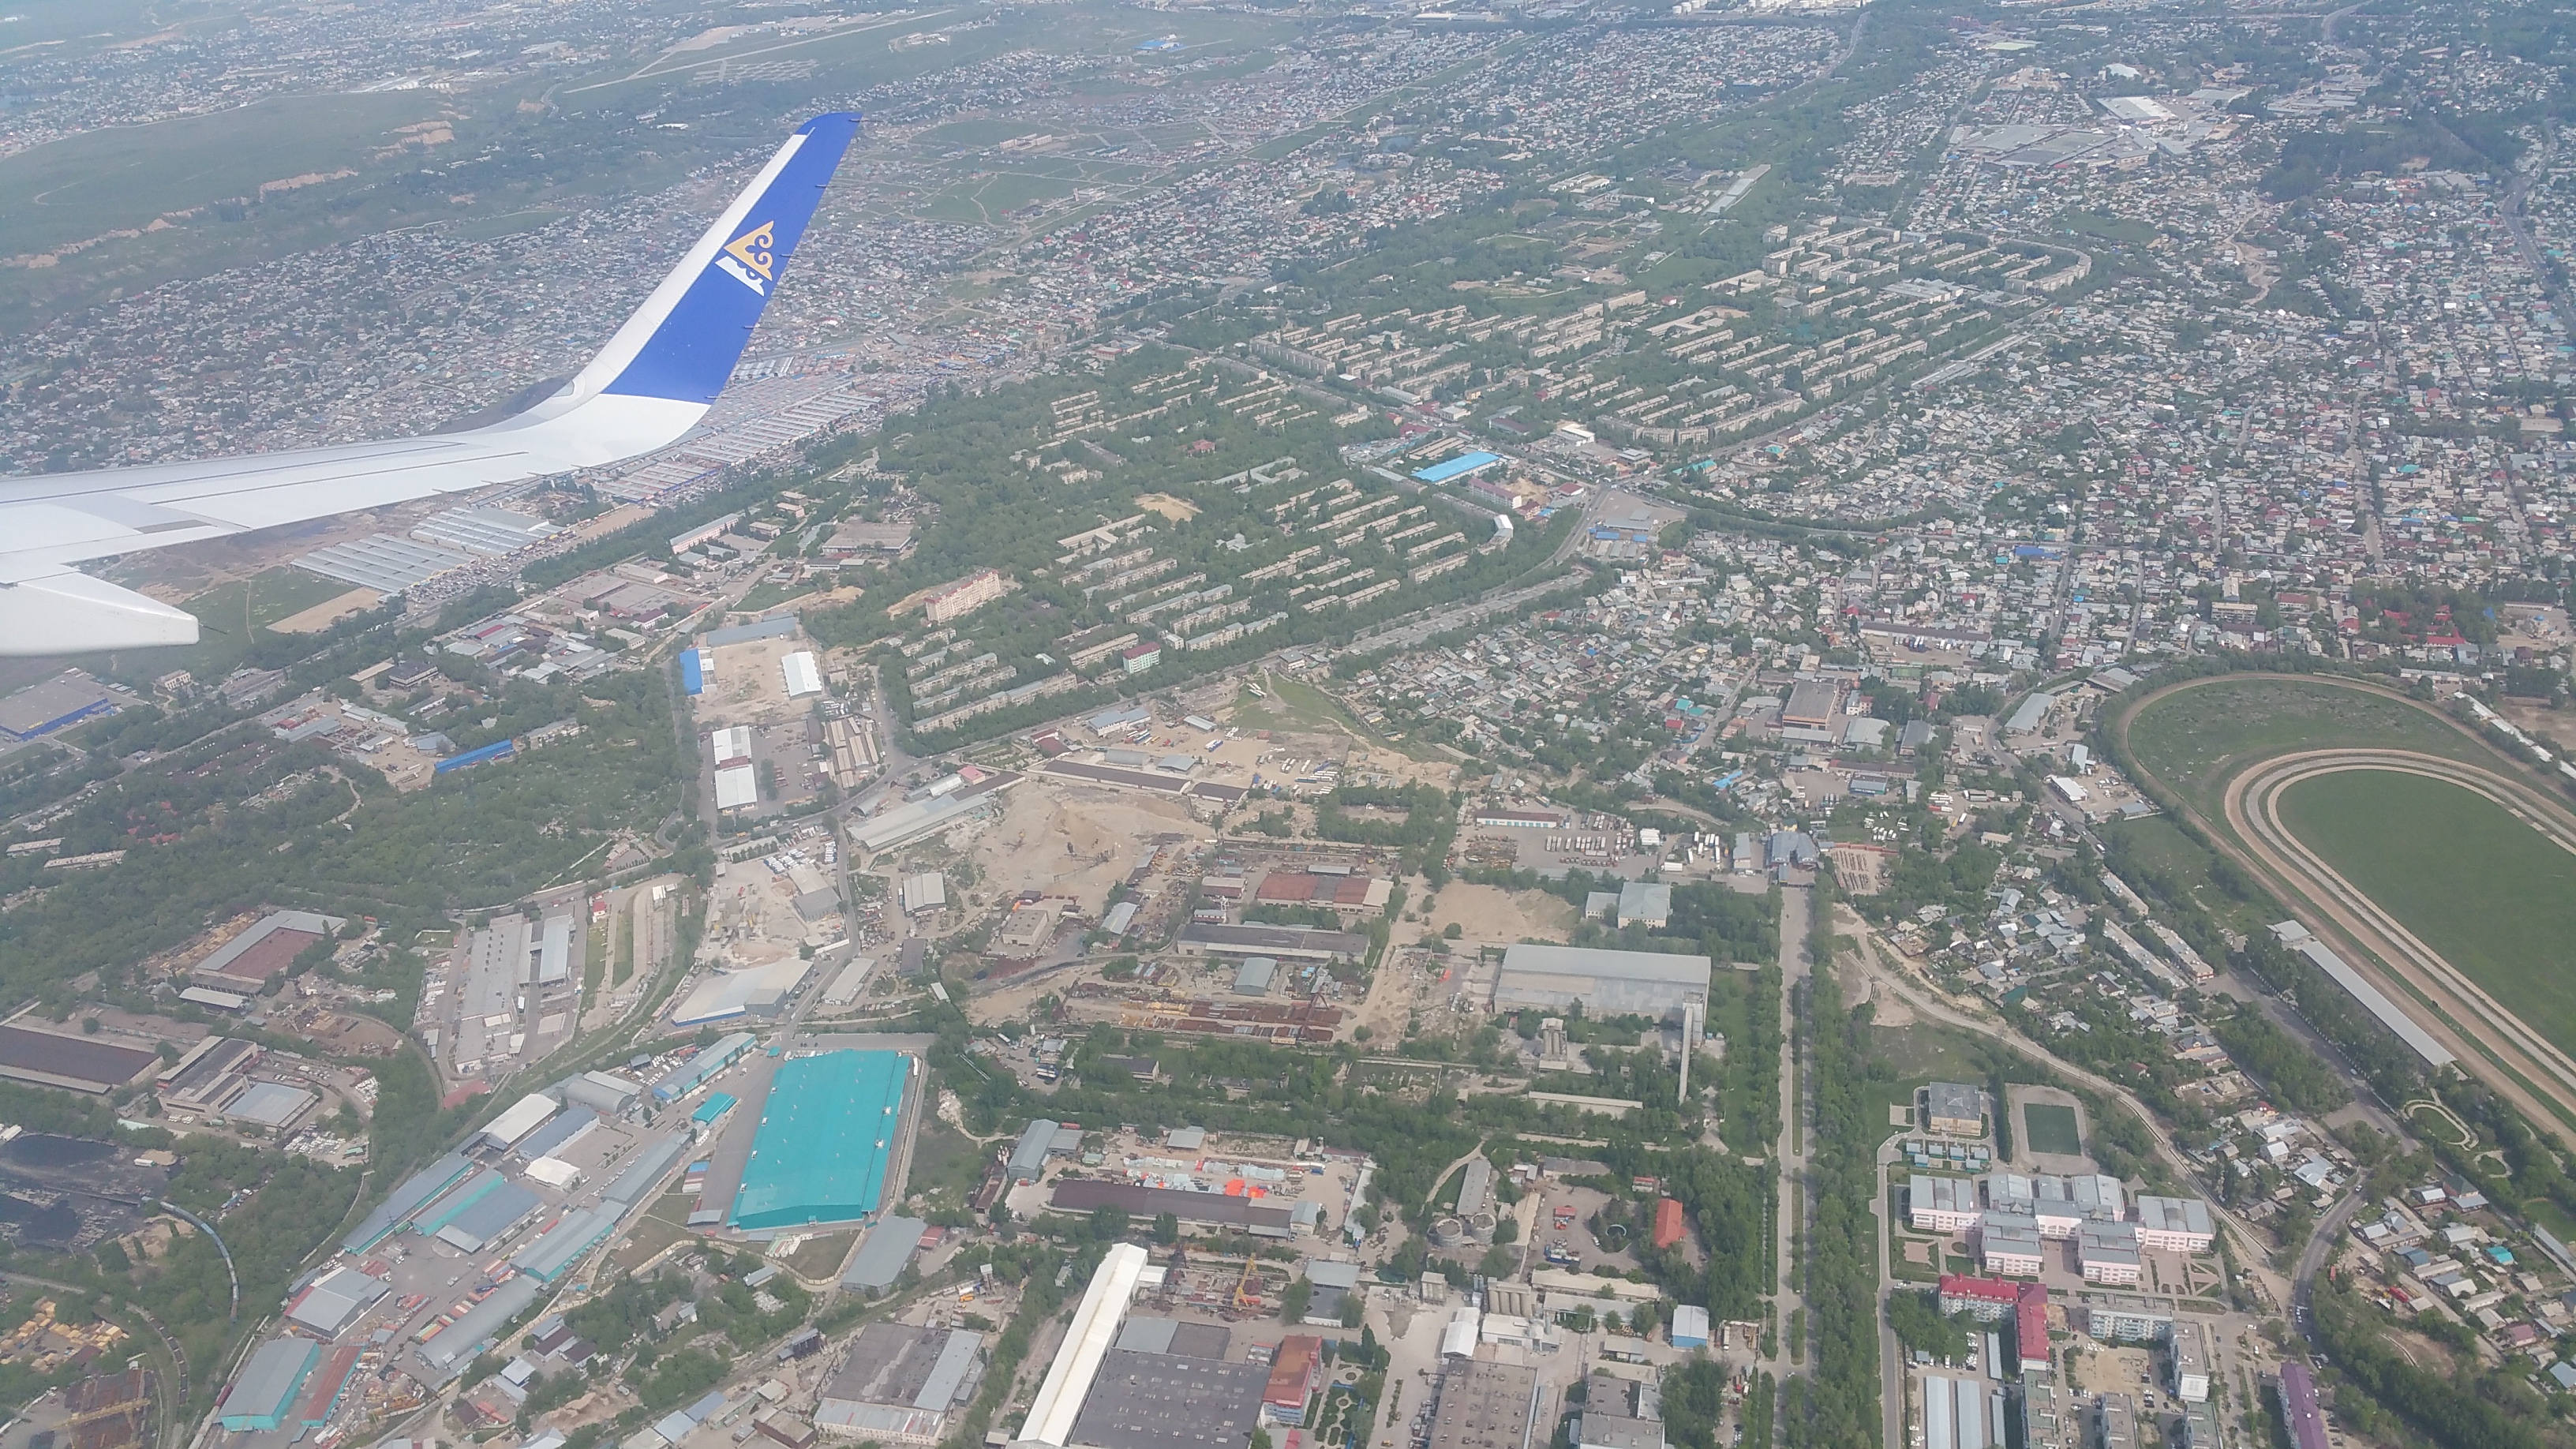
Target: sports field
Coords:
[[2488, 893], [2048, 1127], [2192, 739]]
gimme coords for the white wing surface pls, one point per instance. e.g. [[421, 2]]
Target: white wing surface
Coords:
[[649, 385]]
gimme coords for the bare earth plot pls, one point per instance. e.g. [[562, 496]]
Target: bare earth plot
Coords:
[[1077, 840], [1494, 916]]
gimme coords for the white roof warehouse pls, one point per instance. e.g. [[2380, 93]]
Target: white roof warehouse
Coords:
[[1608, 983]]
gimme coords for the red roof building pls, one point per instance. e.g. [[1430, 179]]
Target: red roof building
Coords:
[[2030, 1327], [1990, 1299], [1301, 887], [1292, 1379], [1668, 1223]]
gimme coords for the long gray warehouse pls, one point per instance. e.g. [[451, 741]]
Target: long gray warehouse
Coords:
[[1608, 983], [444, 1357], [415, 1191], [1081, 1195], [1298, 943]]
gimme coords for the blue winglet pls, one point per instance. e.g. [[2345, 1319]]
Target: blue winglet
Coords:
[[698, 342]]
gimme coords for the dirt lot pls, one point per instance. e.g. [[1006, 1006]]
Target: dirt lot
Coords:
[[1491, 915], [1449, 994], [327, 613], [2115, 1371], [1304, 724], [1860, 978], [746, 687], [1863, 872], [1076, 840], [2556, 726], [1399, 769]]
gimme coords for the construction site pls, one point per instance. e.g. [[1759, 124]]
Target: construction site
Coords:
[[1145, 1009], [104, 1411]]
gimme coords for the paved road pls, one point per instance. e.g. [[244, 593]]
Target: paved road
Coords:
[[2313, 1257], [1796, 903], [2511, 214], [1891, 1354], [1457, 616]]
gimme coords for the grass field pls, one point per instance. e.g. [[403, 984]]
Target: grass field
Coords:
[[82, 186], [234, 614], [2193, 739], [946, 1164], [821, 1255], [2050, 1127], [2493, 896], [1293, 705], [985, 200], [1916, 1053], [2432, 1123]]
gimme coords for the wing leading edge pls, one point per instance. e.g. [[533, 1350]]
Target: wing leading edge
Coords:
[[650, 383]]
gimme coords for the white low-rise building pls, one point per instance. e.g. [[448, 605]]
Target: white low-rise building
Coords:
[[2175, 1224]]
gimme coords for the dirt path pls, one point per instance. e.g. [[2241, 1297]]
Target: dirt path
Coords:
[[2249, 1253]]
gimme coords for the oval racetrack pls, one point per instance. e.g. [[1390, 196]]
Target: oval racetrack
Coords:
[[2439, 996]]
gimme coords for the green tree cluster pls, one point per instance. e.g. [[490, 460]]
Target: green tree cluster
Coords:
[[1840, 1406]]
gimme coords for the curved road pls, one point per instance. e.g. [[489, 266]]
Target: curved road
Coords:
[[2329, 1228]]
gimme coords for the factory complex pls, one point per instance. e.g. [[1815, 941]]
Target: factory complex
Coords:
[[1134, 1382]]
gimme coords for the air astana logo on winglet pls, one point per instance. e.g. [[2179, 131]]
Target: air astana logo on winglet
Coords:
[[747, 257]]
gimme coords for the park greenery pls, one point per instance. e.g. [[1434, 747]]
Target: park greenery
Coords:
[[239, 821], [1838, 1408], [1915, 1314]]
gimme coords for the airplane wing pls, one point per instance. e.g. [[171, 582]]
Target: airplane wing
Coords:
[[650, 384]]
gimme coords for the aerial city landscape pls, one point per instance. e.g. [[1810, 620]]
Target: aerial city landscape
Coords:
[[1287, 724]]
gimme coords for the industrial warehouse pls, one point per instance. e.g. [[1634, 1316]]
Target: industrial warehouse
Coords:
[[1142, 1383], [827, 1140], [1607, 983]]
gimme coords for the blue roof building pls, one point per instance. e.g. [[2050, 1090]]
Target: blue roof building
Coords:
[[1465, 465], [825, 1137], [497, 750]]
